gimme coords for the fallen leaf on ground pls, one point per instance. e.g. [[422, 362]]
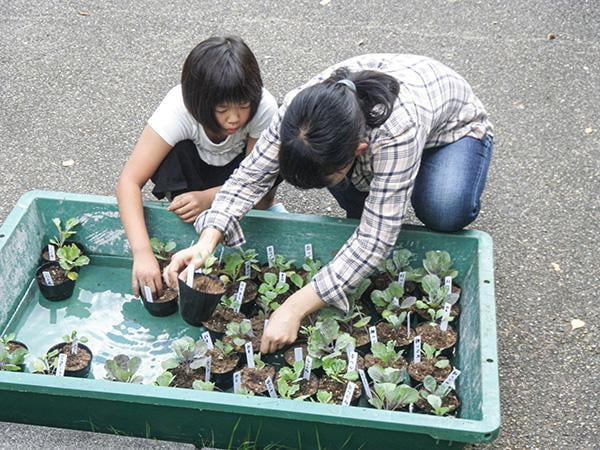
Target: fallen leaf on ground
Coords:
[[68, 163], [555, 266], [324, 2], [589, 131], [576, 323], [359, 43], [551, 36], [84, 13]]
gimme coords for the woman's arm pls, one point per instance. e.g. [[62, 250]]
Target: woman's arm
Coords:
[[148, 153]]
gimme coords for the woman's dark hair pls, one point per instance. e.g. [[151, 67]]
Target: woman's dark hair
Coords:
[[325, 123], [220, 70]]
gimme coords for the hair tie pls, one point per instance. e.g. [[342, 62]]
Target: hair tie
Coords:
[[347, 82]]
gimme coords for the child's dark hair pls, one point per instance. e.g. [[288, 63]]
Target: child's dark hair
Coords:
[[325, 123], [220, 70]]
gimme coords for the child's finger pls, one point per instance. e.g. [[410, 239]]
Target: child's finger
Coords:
[[184, 209]]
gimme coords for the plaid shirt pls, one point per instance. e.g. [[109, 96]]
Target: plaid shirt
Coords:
[[435, 107]]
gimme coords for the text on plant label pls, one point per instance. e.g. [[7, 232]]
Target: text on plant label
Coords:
[[74, 347], [307, 367], [349, 349], [208, 369], [249, 355], [417, 349], [208, 340], [61, 365], [270, 387], [401, 278], [448, 284], [308, 251], [247, 269], [450, 379], [445, 316], [408, 324], [270, 255], [298, 356], [282, 277], [350, 387], [48, 278], [365, 383], [239, 296], [237, 381], [51, 253], [373, 334], [352, 360]]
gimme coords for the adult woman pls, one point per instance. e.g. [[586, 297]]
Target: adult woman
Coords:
[[373, 129]]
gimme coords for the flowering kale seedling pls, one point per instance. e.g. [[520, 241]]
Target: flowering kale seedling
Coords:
[[45, 364], [288, 381], [434, 393], [64, 234], [335, 368], [208, 266], [386, 353], [164, 379], [243, 391], [439, 263], [73, 337], [295, 278], [437, 293], [269, 290], [346, 320], [200, 385], [223, 348], [388, 375], [239, 332], [400, 262], [161, 249], [324, 339], [12, 360], [429, 352], [396, 321], [391, 397], [311, 267], [122, 368], [258, 363], [70, 257], [233, 264], [229, 302], [283, 265], [324, 397], [390, 299], [187, 351]]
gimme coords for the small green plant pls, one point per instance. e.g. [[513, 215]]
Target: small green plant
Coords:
[[388, 375], [400, 262], [232, 271], [74, 337], [164, 379], [123, 368], [209, 264], [258, 362], [429, 353], [282, 264], [391, 397], [200, 385], [354, 318], [239, 332], [288, 381], [161, 249], [11, 361], [386, 353], [437, 293], [4, 340], [229, 302], [269, 291], [325, 339], [45, 364], [397, 321], [434, 393], [439, 263], [223, 348], [391, 298], [324, 397], [311, 267], [64, 233], [243, 391], [70, 257], [194, 353], [296, 279], [335, 368]]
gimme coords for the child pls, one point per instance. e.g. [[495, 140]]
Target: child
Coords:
[[193, 142]]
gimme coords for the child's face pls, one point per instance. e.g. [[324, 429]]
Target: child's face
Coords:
[[232, 116]]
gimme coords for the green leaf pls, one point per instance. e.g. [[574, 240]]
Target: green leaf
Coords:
[[270, 278], [434, 401], [362, 322], [170, 246], [442, 364], [430, 283]]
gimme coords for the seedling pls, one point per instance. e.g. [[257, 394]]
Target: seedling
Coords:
[[122, 368], [439, 263], [324, 397], [388, 375], [324, 339], [187, 351], [386, 353], [4, 340], [396, 321], [269, 290], [429, 352], [64, 233], [11, 361], [283, 265], [70, 257], [229, 302], [223, 348], [437, 293], [45, 364], [161, 249], [200, 385], [391, 298], [347, 320], [391, 397], [164, 379], [232, 270], [335, 368], [311, 267], [73, 337], [288, 381], [258, 363], [296, 279], [240, 332], [400, 262], [434, 393], [208, 266]]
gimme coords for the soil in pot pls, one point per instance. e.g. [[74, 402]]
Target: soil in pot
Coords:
[[220, 318], [338, 390], [380, 281], [307, 387], [222, 367], [370, 361], [449, 401], [433, 335], [385, 333], [250, 294], [185, 376], [14, 345], [198, 303], [289, 355], [240, 348], [164, 305], [78, 365], [363, 341], [418, 371], [254, 379], [63, 286]]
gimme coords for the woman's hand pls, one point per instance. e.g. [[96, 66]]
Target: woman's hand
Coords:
[[189, 205], [145, 272], [284, 322]]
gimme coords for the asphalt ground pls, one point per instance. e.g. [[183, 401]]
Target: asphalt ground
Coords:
[[78, 80]]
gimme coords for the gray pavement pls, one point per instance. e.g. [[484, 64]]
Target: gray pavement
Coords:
[[80, 87]]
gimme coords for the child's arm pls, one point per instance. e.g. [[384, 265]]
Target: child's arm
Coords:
[[148, 153]]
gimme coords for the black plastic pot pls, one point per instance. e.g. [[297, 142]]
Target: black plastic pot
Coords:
[[58, 291], [81, 373], [161, 309], [22, 345], [45, 247], [224, 381], [196, 306]]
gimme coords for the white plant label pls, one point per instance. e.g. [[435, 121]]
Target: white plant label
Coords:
[[308, 251], [449, 381], [247, 269], [373, 334], [307, 367], [206, 338], [249, 322], [249, 355], [298, 355], [237, 381], [352, 361], [270, 255], [221, 255], [350, 387], [401, 278], [48, 278], [148, 294], [445, 316], [270, 387], [417, 350], [282, 277], [408, 324], [208, 369], [365, 383], [349, 350], [190, 271], [74, 347], [61, 365], [51, 253], [448, 284], [239, 296], [411, 408]]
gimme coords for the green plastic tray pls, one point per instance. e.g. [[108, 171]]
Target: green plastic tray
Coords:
[[102, 309]]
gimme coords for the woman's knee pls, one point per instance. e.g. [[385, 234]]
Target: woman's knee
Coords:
[[445, 216]]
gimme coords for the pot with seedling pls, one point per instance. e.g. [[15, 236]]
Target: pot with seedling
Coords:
[[56, 280], [189, 363], [309, 269], [393, 266], [224, 363], [440, 335], [251, 266], [238, 333], [165, 379], [253, 379], [224, 314], [198, 300], [12, 354], [395, 327], [437, 294], [78, 356], [49, 251], [336, 379], [294, 383], [279, 264], [163, 251], [392, 299], [386, 355], [123, 368], [45, 364], [232, 275], [437, 398], [272, 290], [324, 339], [431, 364], [388, 392], [199, 385], [440, 263]]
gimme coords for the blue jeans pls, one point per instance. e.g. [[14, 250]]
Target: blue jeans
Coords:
[[447, 191]]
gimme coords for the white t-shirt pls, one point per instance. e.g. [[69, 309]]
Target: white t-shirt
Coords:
[[173, 122]]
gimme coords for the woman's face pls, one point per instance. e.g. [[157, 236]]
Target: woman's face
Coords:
[[232, 116], [339, 175]]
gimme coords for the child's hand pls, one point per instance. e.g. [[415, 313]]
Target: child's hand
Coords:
[[145, 272], [181, 260], [187, 206]]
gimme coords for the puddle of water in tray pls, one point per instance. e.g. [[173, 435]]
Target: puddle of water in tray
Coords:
[[101, 309]]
